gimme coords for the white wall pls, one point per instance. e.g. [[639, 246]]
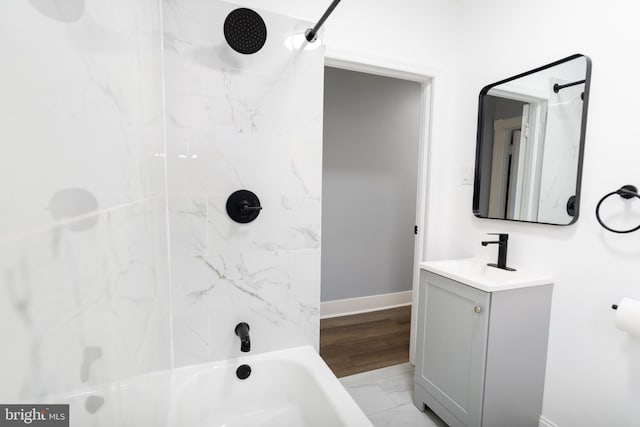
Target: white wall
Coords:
[[83, 267], [592, 372], [592, 375], [369, 180]]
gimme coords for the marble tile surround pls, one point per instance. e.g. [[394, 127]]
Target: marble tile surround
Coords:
[[82, 106], [84, 283], [85, 297], [84, 306], [236, 122], [385, 396]]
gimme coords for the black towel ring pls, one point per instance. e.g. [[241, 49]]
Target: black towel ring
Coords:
[[626, 192]]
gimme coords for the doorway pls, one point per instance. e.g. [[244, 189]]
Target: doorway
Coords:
[[373, 188]]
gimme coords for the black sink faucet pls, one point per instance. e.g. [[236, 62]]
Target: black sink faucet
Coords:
[[503, 238], [242, 330]]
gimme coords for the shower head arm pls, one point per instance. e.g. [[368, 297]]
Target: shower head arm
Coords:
[[311, 33]]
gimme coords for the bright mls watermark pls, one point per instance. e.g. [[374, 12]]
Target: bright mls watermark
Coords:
[[34, 415]]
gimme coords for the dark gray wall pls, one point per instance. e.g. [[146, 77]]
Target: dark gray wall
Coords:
[[369, 179]]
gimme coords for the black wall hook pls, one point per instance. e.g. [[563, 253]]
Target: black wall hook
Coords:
[[626, 192], [243, 206]]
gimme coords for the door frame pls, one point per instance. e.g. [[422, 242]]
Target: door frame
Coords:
[[534, 135], [502, 137], [428, 78]]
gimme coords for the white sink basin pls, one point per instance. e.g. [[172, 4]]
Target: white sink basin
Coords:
[[476, 273]]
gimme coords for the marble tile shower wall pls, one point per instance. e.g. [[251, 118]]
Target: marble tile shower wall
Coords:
[[236, 122], [87, 174], [84, 291]]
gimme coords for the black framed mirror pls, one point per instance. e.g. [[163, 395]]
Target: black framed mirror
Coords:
[[530, 144]]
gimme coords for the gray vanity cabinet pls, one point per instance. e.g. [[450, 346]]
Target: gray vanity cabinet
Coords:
[[481, 356]]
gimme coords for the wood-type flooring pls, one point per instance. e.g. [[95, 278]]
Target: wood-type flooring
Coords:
[[364, 342]]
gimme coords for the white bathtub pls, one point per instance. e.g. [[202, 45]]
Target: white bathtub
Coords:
[[288, 388]]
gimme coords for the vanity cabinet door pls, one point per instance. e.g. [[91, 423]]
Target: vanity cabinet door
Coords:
[[452, 349]]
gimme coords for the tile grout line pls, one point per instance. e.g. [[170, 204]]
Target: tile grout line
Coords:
[[12, 237], [166, 186]]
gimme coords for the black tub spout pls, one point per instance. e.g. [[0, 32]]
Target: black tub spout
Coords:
[[242, 330]]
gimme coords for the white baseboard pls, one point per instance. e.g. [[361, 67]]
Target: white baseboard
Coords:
[[546, 423], [345, 307]]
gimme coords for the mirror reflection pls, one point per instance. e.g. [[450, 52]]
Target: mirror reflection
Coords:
[[530, 144]]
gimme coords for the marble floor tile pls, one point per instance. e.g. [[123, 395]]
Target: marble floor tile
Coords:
[[398, 387], [377, 374], [385, 396], [405, 415], [371, 398]]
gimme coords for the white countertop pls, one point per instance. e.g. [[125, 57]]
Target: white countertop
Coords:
[[476, 273]]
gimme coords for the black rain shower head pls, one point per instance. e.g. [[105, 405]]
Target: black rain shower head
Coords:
[[245, 31]]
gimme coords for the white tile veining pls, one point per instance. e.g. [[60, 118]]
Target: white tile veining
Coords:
[[235, 122], [251, 287], [82, 304], [188, 219], [385, 396], [142, 246], [85, 104], [84, 292]]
